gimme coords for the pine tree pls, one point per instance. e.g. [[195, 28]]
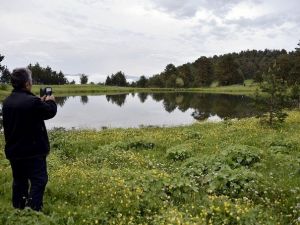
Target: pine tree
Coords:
[[84, 79], [5, 76], [228, 71], [184, 72], [295, 77], [205, 72], [108, 81], [1, 67], [169, 75], [274, 92], [142, 82]]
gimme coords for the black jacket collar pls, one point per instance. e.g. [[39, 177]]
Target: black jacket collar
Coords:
[[22, 91]]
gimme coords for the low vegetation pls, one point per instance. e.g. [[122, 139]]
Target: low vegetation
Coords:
[[233, 172]]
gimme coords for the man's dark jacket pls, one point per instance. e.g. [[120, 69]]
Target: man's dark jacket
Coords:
[[24, 128]]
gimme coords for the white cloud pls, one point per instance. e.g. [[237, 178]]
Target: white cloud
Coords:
[[100, 37]]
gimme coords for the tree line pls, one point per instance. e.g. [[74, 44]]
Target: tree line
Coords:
[[40, 75], [227, 69], [46, 75]]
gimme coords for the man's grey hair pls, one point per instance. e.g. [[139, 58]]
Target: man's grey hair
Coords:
[[20, 76]]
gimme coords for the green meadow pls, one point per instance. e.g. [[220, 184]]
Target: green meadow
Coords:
[[232, 172]]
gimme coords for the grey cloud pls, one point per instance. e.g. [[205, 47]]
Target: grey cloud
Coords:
[[180, 8], [262, 22], [71, 19], [189, 8], [48, 52], [200, 39]]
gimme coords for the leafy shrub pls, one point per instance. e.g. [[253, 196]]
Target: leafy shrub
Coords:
[[241, 155], [227, 173], [191, 134], [179, 189], [218, 177], [196, 169], [179, 152], [231, 182], [156, 187]]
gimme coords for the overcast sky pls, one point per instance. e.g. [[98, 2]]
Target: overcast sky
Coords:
[[139, 37]]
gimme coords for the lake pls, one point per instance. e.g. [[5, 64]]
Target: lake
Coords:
[[144, 109]]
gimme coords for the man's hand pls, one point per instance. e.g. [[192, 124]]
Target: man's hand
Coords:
[[43, 98], [51, 97]]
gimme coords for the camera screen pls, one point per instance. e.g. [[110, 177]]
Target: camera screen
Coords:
[[49, 89]]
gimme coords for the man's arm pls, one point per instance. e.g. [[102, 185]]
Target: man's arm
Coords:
[[46, 109]]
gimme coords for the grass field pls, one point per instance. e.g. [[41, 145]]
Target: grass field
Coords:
[[233, 172]]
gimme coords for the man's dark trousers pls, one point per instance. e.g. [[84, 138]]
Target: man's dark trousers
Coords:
[[29, 180]]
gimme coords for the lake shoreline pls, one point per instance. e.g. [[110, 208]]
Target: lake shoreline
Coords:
[[69, 90]]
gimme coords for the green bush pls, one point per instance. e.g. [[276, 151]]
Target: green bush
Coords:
[[179, 152], [241, 155], [224, 174]]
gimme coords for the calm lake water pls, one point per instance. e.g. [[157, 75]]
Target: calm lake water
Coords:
[[159, 109]]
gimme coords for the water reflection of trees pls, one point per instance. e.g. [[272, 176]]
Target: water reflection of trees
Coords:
[[84, 99], [61, 100], [142, 97], [117, 99], [204, 105]]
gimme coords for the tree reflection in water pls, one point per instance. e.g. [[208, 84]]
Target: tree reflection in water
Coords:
[[142, 97], [117, 99], [205, 105], [61, 100], [202, 105], [84, 99]]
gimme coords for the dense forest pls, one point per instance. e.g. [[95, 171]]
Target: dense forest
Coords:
[[227, 69]]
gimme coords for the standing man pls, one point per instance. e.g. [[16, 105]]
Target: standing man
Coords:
[[27, 143]]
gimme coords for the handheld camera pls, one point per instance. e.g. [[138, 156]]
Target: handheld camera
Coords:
[[46, 91]]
